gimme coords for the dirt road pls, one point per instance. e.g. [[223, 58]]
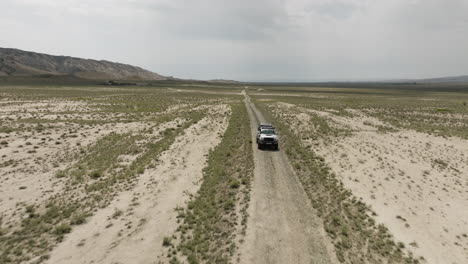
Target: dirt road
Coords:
[[282, 225]]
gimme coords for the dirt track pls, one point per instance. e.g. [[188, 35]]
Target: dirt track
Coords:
[[282, 225]]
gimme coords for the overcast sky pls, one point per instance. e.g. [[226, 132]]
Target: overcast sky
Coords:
[[250, 39]]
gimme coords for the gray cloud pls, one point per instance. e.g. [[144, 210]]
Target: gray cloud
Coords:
[[259, 39], [224, 19], [337, 10]]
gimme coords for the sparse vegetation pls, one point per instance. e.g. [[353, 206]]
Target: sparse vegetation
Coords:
[[356, 236], [87, 144], [210, 222], [96, 177]]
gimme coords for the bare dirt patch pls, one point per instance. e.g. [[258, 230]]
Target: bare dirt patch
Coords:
[[29, 161], [33, 154], [119, 233], [415, 182]]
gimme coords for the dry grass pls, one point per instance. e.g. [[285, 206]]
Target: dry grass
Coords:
[[93, 172], [218, 212]]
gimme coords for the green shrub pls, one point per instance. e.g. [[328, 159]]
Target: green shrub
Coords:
[[167, 241], [78, 219], [95, 175], [62, 229], [235, 184]]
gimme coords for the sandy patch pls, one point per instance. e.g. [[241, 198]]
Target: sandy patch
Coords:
[[428, 116], [174, 108], [53, 105], [358, 122], [33, 151], [132, 228], [203, 91], [415, 182], [29, 160], [290, 95]]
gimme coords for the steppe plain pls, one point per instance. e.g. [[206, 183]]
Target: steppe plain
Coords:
[[170, 173]]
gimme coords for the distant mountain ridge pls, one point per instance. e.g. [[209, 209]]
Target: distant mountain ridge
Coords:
[[450, 79], [15, 62]]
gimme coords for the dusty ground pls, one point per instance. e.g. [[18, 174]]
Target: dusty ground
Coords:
[[119, 233], [30, 158], [415, 182]]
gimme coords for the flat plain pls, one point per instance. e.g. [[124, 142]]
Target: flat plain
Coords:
[[170, 173]]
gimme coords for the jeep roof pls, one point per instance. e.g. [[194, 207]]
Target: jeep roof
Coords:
[[265, 126]]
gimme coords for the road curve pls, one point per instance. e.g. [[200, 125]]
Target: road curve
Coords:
[[282, 225]]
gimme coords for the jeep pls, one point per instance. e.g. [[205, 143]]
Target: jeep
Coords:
[[266, 136]]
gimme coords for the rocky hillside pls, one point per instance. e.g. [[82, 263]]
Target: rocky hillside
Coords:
[[14, 62]]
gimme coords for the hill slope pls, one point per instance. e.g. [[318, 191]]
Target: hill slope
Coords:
[[14, 62], [451, 79]]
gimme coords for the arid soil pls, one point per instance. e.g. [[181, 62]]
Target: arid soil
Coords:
[[119, 233], [415, 182], [110, 175], [43, 140], [30, 158]]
